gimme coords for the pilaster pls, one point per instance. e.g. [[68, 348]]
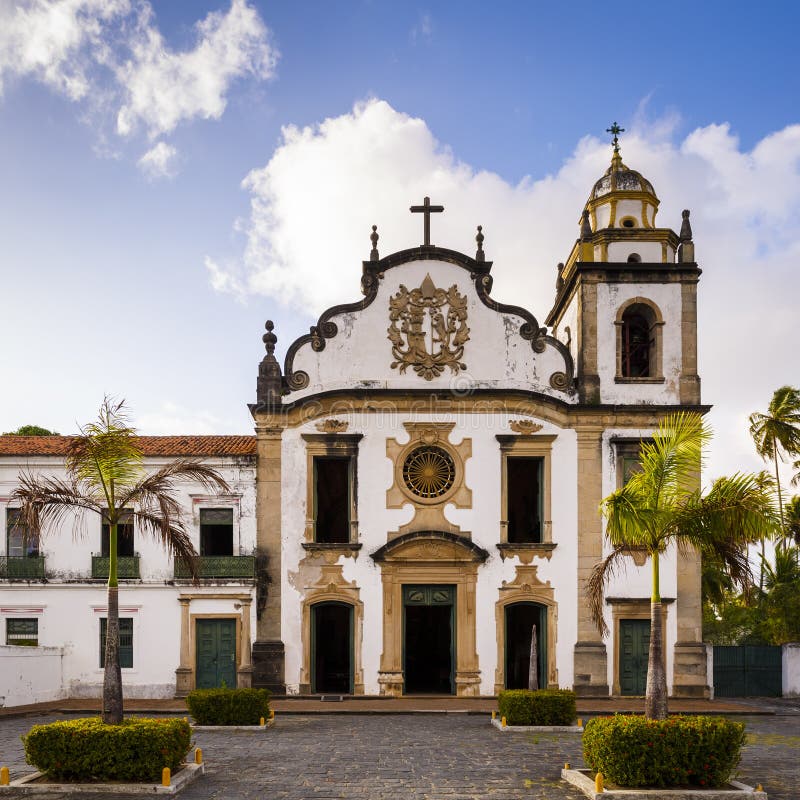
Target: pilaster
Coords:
[[588, 379], [268, 652], [590, 655], [689, 382]]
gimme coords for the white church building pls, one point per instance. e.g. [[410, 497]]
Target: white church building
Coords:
[[421, 490]]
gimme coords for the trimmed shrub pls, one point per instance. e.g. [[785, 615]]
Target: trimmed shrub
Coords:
[[228, 706], [543, 707], [87, 750], [678, 751]]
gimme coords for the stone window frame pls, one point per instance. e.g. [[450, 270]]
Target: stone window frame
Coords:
[[331, 445], [527, 446], [656, 329], [625, 448], [633, 608], [210, 501]]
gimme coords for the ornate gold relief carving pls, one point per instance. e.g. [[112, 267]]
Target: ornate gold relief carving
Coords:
[[332, 426], [428, 474], [525, 426], [428, 329]]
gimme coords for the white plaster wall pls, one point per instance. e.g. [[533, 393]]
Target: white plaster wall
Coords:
[[569, 320], [69, 547], [609, 299], [374, 475], [790, 662], [496, 356], [30, 675], [648, 251]]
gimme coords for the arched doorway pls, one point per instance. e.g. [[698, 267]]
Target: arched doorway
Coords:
[[520, 619], [332, 648]]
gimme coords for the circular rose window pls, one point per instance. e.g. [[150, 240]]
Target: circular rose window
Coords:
[[429, 472]]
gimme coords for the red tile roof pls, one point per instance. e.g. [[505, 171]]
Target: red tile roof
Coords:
[[151, 445]]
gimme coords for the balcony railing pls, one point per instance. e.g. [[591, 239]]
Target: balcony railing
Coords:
[[219, 567], [127, 566], [29, 568]]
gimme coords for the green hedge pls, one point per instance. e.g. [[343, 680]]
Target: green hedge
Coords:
[[87, 750], [228, 706], [543, 707], [634, 751]]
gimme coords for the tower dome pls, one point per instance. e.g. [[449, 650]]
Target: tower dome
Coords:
[[623, 197]]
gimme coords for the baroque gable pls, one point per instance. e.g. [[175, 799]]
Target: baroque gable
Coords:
[[427, 322]]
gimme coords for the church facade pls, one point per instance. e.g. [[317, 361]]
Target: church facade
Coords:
[[431, 463], [421, 496]]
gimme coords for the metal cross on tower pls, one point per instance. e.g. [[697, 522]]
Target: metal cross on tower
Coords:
[[615, 129], [427, 209]]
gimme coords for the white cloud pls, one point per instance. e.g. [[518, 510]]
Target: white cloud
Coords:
[[110, 55], [164, 87], [159, 161], [171, 418], [313, 204]]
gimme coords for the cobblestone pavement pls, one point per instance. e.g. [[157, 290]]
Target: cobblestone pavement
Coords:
[[430, 757]]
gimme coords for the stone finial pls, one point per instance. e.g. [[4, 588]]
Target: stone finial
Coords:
[[373, 237], [586, 226], [268, 385], [686, 227], [686, 247], [479, 254], [559, 276]]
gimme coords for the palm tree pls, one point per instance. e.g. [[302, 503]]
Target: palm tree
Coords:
[[777, 433], [793, 519], [659, 507], [105, 475]]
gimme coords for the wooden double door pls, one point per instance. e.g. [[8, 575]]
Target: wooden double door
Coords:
[[634, 646], [215, 653]]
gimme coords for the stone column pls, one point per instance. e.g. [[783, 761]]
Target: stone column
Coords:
[[588, 379], [689, 381], [183, 674], [590, 657], [245, 671], [268, 650]]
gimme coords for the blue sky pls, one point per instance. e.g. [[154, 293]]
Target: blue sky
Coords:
[[150, 277]]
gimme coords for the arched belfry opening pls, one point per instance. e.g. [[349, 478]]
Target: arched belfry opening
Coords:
[[639, 341]]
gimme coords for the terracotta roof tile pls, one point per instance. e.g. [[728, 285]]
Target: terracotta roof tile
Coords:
[[151, 445]]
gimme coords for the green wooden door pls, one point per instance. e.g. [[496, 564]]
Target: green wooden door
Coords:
[[634, 644], [216, 653]]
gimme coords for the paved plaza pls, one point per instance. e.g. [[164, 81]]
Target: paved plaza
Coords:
[[432, 756]]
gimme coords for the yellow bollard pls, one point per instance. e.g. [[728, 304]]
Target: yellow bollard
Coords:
[[759, 787], [494, 715], [4, 779], [566, 765], [502, 722], [262, 722], [580, 722], [272, 713], [598, 782], [165, 777], [198, 756]]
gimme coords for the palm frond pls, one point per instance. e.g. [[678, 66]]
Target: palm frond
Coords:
[[170, 530], [146, 490], [602, 572], [45, 503], [106, 454], [779, 428]]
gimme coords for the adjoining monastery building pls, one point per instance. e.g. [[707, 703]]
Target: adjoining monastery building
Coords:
[[422, 489]]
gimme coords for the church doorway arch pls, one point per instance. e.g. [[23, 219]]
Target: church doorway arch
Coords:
[[520, 619], [429, 639], [332, 648]]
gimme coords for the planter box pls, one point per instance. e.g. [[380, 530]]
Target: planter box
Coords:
[[37, 783], [733, 791], [537, 728], [270, 723]]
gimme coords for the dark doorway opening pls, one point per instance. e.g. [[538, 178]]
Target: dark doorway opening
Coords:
[[428, 648], [332, 648], [520, 619]]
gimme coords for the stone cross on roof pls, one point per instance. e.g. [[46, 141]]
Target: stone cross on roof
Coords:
[[615, 129], [427, 209]]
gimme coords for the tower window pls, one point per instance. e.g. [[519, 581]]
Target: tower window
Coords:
[[628, 222], [634, 258], [636, 346]]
